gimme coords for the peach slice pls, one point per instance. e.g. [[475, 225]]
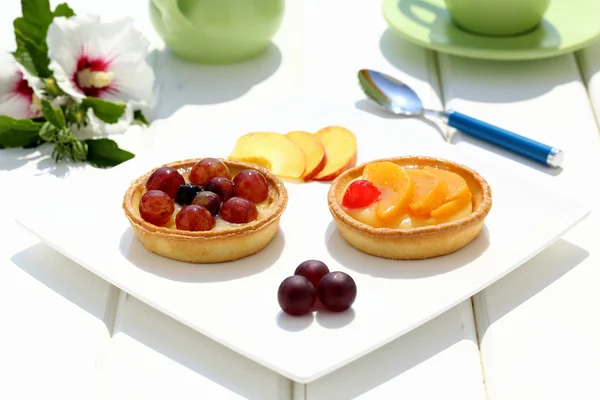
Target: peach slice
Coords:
[[257, 160], [385, 173], [287, 160], [316, 158], [448, 210], [395, 200], [457, 186], [340, 147], [430, 192], [458, 197]]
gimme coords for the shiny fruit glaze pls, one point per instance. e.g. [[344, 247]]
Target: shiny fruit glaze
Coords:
[[313, 270], [398, 189], [337, 291], [165, 179], [156, 207], [223, 187], [206, 169], [296, 295], [216, 196], [411, 197], [194, 218], [360, 193], [209, 200], [430, 192], [238, 211], [251, 185]]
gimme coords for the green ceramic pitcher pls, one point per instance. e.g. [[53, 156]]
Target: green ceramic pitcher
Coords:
[[217, 31]]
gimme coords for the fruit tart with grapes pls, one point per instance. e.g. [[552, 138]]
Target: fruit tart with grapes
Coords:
[[410, 207], [205, 210]]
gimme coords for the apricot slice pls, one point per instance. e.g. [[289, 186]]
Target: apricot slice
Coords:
[[394, 201], [450, 209], [316, 158], [457, 186], [394, 204], [385, 173], [287, 160], [429, 193], [341, 149]]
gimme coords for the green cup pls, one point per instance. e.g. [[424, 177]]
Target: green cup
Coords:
[[497, 17], [217, 31]]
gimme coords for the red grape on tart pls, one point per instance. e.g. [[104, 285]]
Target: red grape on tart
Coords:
[[205, 210]]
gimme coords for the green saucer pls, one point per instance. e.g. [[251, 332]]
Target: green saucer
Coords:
[[568, 25]]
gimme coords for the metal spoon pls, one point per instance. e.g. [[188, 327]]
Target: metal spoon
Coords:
[[397, 98]]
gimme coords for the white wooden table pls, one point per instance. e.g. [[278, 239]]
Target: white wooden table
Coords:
[[67, 334]]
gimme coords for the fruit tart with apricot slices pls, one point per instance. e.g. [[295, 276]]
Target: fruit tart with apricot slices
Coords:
[[409, 207], [205, 210]]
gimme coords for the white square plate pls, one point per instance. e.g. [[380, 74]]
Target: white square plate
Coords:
[[236, 303]]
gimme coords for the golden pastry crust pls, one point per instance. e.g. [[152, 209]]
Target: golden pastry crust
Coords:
[[227, 244], [419, 242]]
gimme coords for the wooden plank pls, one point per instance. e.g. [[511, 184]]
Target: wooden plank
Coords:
[[589, 65], [538, 326], [53, 329], [151, 356], [437, 360]]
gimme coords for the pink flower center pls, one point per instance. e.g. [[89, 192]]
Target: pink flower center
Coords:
[[91, 76], [22, 88]]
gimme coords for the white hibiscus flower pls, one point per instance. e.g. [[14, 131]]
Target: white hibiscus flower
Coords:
[[103, 59], [20, 92]]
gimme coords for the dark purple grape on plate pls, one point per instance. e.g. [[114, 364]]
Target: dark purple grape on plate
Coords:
[[337, 291], [313, 270], [296, 295]]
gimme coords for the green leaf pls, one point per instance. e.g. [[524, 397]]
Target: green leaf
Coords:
[[18, 132], [104, 153], [54, 115], [30, 56], [105, 110], [37, 10], [139, 118], [30, 34], [63, 10]]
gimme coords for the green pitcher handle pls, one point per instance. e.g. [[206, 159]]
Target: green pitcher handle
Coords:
[[173, 18]]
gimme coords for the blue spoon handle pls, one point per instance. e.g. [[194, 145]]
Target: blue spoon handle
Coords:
[[536, 151]]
